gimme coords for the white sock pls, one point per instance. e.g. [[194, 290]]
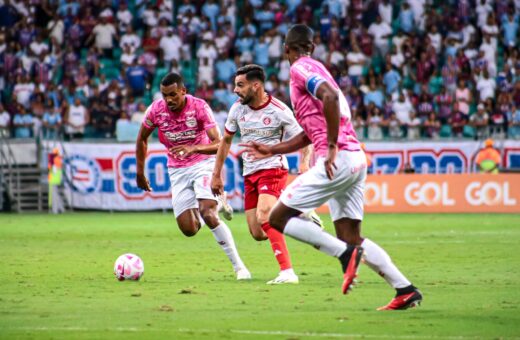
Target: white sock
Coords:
[[308, 232], [225, 239], [377, 259]]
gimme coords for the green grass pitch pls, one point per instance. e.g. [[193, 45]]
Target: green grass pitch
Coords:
[[57, 281]]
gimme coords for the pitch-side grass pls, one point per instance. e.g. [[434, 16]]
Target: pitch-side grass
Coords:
[[57, 281]]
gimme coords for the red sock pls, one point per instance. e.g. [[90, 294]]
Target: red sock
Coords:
[[279, 246]]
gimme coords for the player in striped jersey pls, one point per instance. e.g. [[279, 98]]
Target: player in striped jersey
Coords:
[[262, 118]]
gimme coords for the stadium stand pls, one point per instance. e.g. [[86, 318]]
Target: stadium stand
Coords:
[[409, 69]]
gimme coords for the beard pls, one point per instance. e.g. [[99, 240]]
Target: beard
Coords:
[[246, 99]]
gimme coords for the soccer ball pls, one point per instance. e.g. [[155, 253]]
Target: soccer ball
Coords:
[[128, 267]]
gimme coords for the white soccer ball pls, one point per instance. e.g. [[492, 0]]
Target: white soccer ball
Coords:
[[128, 267]]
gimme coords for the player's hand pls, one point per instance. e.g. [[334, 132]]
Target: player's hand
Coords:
[[330, 164], [217, 185], [182, 151], [256, 150], [142, 182]]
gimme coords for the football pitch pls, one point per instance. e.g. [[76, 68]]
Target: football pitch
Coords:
[[58, 282]]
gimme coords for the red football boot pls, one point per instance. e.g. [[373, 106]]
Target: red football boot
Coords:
[[404, 301]]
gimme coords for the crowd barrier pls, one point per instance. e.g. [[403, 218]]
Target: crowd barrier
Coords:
[[102, 176]]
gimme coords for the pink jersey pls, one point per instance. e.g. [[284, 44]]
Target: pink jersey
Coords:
[[307, 75], [187, 127]]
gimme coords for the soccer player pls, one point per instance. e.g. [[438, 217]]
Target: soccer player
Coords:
[[338, 177], [189, 132], [262, 118]]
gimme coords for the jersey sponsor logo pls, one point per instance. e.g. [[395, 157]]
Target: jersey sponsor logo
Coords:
[[191, 122], [267, 120], [258, 132], [177, 136]]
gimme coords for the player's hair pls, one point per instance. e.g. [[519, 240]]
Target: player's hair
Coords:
[[172, 78], [252, 72], [300, 37]]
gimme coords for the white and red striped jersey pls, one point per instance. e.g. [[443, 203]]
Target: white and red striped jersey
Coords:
[[269, 124]]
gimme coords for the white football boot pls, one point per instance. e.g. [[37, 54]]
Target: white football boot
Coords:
[[243, 274], [285, 277]]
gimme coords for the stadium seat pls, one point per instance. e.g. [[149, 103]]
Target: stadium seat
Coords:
[[445, 131], [468, 131], [127, 132]]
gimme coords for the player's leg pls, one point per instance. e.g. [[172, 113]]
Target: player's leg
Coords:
[[255, 228], [309, 191], [185, 206], [277, 240], [250, 203], [188, 222], [347, 213], [209, 212]]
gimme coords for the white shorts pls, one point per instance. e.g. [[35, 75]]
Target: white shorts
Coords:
[[344, 193], [191, 184]]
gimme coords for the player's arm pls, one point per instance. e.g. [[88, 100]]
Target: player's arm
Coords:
[[217, 185], [330, 99], [141, 149], [305, 158]]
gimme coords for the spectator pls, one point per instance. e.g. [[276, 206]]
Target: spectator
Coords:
[[380, 32], [130, 39], [375, 95], [23, 90], [261, 52], [124, 17], [457, 121], [406, 18], [403, 110], [359, 125], [225, 68], [414, 127], [104, 34], [514, 123], [391, 79], [444, 100], [51, 122], [76, 119], [480, 121], [5, 122], [136, 78], [486, 86], [206, 72], [432, 126], [374, 121], [394, 126], [356, 61], [138, 115], [22, 123]]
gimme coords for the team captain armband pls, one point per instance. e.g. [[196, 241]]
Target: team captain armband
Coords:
[[313, 82]]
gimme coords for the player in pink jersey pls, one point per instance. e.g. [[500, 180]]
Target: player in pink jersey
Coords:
[[259, 117], [338, 177], [189, 132]]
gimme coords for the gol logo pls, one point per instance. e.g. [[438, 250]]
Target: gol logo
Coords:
[[429, 194], [489, 193], [377, 194]]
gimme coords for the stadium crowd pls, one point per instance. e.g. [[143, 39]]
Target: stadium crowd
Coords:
[[410, 69]]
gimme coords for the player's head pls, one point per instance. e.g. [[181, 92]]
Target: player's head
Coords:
[[249, 83], [299, 41], [173, 91]]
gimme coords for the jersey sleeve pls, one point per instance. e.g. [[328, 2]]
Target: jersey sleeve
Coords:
[[149, 118], [306, 78], [231, 125], [290, 124], [206, 118]]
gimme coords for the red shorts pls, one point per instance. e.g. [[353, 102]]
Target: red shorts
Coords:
[[267, 181]]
